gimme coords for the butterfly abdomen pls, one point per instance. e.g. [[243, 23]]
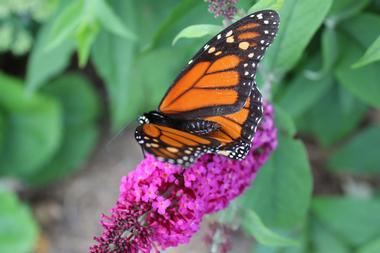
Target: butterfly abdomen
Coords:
[[199, 126]]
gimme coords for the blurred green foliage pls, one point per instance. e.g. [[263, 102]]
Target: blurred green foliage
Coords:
[[19, 231], [17, 21], [322, 73]]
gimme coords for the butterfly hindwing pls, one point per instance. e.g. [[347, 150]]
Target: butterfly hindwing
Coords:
[[219, 78], [172, 145], [238, 129]]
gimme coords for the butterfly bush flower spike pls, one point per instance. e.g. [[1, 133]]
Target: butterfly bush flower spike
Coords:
[[162, 205], [224, 8]]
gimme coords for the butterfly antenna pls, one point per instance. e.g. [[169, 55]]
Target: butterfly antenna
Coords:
[[143, 151], [113, 138]]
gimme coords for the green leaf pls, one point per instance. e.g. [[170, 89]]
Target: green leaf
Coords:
[[43, 65], [19, 232], [85, 37], [110, 21], [65, 24], [75, 150], [304, 90], [267, 4], [300, 19], [357, 156], [299, 235], [330, 54], [182, 8], [78, 98], [372, 247], [344, 9], [196, 31], [81, 111], [324, 240], [362, 23], [342, 216], [3, 131], [368, 90], [34, 125], [282, 190], [336, 114], [371, 55], [284, 122], [330, 50], [156, 77], [255, 227], [114, 60]]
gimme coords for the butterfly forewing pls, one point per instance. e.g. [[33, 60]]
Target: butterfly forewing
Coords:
[[220, 77]]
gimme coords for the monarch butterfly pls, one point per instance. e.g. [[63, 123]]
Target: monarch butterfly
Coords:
[[213, 105]]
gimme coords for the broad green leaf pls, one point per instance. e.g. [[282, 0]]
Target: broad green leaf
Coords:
[[43, 65], [196, 31], [78, 98], [19, 231], [114, 60], [110, 21], [182, 8], [368, 76], [324, 240], [330, 54], [300, 19], [359, 154], [304, 91], [330, 50], [282, 190], [255, 227], [284, 122], [371, 55], [336, 114], [34, 126], [267, 4], [77, 145], [344, 9], [342, 216], [158, 69], [3, 131], [372, 247], [81, 111], [362, 23], [65, 24]]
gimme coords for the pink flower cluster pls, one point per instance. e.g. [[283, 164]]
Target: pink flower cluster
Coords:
[[224, 8], [162, 205]]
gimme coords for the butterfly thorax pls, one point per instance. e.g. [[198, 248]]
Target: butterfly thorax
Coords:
[[195, 126]]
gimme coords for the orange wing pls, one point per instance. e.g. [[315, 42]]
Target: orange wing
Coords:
[[192, 89], [237, 129], [219, 79], [172, 145]]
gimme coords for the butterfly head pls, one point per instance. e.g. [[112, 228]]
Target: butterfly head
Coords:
[[151, 117]]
